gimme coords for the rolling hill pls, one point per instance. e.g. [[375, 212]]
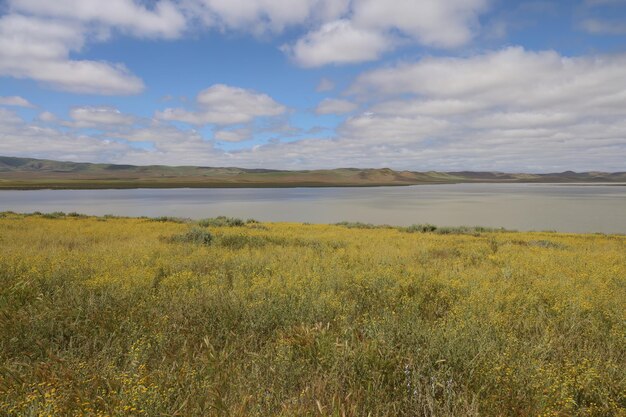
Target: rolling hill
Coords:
[[28, 173]]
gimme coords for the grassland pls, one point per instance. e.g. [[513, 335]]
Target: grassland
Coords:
[[27, 173], [163, 317]]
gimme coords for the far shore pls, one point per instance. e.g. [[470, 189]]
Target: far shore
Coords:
[[124, 185]]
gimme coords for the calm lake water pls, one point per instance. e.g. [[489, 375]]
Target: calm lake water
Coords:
[[566, 208]]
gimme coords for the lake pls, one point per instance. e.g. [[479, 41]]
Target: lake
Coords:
[[564, 208]]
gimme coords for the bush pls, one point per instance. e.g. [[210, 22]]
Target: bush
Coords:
[[241, 241], [221, 221], [452, 230], [358, 225], [421, 228], [169, 219], [196, 236], [546, 244], [54, 215], [74, 214]]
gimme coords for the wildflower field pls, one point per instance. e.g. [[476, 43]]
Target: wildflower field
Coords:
[[165, 317]]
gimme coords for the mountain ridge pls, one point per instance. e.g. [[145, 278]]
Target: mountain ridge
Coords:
[[31, 173]]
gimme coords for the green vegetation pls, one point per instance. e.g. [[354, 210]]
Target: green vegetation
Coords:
[[222, 221], [26, 173], [195, 235], [164, 219], [427, 228], [129, 317]]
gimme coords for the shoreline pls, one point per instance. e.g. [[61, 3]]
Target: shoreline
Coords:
[[474, 230], [216, 185]]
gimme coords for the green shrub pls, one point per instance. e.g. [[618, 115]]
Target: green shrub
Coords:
[[421, 228], [357, 225], [165, 219], [241, 241], [452, 230], [196, 236], [53, 215], [75, 214], [546, 244], [221, 221]]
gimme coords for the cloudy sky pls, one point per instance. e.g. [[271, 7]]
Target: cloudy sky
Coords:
[[507, 85]]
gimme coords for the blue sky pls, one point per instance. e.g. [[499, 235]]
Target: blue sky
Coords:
[[531, 86]]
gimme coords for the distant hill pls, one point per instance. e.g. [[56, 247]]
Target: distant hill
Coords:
[[28, 173]]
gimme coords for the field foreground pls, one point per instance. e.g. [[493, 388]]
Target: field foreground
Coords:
[[116, 316]]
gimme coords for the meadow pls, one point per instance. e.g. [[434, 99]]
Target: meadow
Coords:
[[166, 317]]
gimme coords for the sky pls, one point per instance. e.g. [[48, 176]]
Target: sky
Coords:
[[447, 85]]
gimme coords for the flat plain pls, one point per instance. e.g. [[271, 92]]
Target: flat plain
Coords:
[[167, 317]]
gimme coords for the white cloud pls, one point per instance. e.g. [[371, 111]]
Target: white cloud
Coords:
[[366, 140], [446, 24], [164, 19], [339, 42], [335, 106], [604, 27], [224, 105], [523, 120], [510, 78], [47, 117], [390, 130], [233, 135], [427, 107], [37, 38], [263, 16], [511, 110], [15, 101], [325, 85], [374, 27], [102, 116], [39, 49], [18, 138], [9, 117]]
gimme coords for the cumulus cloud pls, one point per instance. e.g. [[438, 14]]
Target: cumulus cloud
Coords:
[[39, 49], [495, 110], [233, 135], [467, 141], [37, 38], [101, 116], [19, 138], [335, 106], [510, 78], [9, 117], [164, 19], [427, 107], [225, 105], [391, 130], [445, 24], [372, 26], [15, 101], [338, 42], [47, 117], [263, 16]]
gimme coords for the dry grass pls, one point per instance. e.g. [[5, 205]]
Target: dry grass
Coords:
[[114, 316]]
